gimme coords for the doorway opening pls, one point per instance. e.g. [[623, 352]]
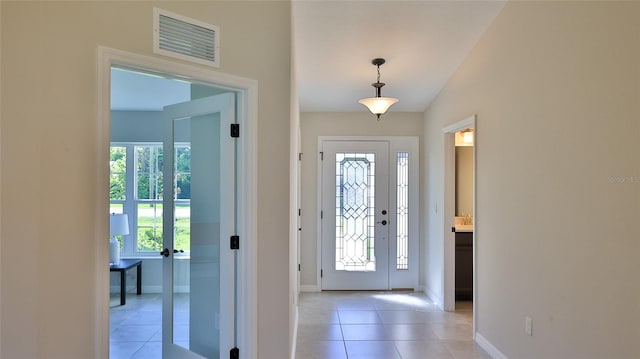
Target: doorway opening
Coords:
[[460, 214], [168, 150], [176, 131], [368, 236]]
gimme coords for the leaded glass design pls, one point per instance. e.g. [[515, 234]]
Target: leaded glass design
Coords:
[[355, 217], [402, 211]]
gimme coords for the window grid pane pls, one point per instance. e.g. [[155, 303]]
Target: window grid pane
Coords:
[[149, 232], [118, 173], [116, 207], [182, 171], [182, 228], [146, 202], [402, 211], [182, 195], [149, 172]]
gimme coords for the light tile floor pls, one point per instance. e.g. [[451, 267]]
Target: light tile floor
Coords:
[[136, 327], [385, 325], [332, 325]]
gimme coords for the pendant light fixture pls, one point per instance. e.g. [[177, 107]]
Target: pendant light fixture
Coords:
[[378, 105]]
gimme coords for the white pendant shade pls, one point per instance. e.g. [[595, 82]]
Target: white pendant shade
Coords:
[[378, 105]]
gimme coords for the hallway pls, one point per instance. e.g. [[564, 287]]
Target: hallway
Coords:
[[382, 325]]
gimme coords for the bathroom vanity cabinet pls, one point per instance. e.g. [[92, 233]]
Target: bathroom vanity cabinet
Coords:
[[464, 265]]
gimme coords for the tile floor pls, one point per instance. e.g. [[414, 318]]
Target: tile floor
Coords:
[[332, 325], [135, 328], [385, 325]]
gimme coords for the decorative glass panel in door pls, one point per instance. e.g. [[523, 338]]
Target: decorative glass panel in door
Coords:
[[198, 270], [355, 215]]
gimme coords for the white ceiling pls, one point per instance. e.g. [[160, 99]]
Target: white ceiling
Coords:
[[136, 91], [423, 43]]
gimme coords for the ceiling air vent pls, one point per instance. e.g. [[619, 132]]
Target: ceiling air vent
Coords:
[[184, 38]]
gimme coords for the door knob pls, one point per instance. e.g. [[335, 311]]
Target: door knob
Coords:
[[165, 252], [384, 222]]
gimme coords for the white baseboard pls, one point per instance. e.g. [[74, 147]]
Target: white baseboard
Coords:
[[309, 288], [132, 289], [149, 289], [419, 288], [434, 298], [295, 334], [489, 348]]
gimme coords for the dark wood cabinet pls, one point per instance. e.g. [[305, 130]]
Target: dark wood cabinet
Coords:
[[464, 265]]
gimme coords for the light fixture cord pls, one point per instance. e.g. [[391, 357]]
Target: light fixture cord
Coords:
[[378, 92]]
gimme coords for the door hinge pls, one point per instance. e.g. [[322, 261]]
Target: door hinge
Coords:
[[321, 214], [321, 156], [235, 353], [235, 130], [300, 156], [321, 273], [235, 242], [299, 212], [298, 267]]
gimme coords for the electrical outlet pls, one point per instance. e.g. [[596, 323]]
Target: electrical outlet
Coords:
[[528, 326]]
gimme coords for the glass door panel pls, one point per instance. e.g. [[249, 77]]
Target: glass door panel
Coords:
[[198, 269], [355, 212]]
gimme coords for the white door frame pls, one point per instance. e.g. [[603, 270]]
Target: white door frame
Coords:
[[449, 255], [247, 109], [414, 215]]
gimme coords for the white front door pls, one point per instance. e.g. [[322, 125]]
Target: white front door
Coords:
[[355, 215], [369, 207], [198, 319]]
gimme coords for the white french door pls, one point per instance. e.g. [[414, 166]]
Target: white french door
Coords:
[[369, 212], [198, 320]]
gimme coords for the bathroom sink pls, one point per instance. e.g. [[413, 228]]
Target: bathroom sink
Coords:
[[464, 227]]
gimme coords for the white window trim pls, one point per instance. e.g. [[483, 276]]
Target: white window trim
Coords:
[[131, 202]]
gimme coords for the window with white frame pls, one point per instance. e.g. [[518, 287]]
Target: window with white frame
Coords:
[[136, 188]]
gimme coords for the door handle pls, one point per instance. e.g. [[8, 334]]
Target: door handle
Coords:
[[383, 222], [165, 252]]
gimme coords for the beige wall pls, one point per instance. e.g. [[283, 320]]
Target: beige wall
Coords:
[[48, 157], [337, 124], [556, 90], [464, 180]]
